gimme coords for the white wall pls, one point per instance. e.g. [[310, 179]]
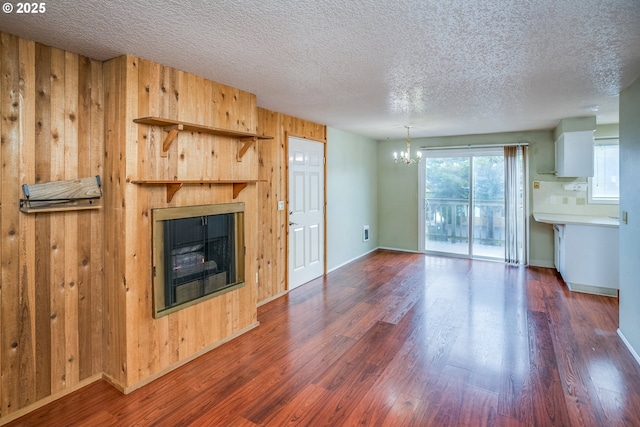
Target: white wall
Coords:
[[351, 196], [630, 202]]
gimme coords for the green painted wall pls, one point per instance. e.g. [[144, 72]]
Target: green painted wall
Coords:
[[395, 215], [352, 196], [397, 199], [398, 188]]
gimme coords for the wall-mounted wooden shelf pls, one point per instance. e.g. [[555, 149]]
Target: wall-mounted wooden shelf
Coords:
[[58, 196], [173, 186], [175, 126]]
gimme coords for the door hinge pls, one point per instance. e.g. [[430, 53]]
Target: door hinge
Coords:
[[154, 271]]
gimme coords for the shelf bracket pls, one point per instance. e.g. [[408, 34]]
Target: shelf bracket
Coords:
[[172, 189], [247, 143], [238, 187], [173, 132]]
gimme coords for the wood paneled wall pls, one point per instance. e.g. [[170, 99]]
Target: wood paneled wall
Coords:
[[75, 287], [138, 347], [272, 229], [51, 109]]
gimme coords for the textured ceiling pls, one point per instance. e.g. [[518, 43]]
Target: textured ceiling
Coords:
[[446, 67]]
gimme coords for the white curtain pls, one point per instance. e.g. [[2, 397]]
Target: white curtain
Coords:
[[515, 189]]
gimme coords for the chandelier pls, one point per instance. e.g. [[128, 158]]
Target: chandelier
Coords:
[[405, 156]]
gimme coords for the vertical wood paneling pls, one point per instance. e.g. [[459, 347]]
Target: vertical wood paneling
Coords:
[[151, 76], [96, 260], [70, 169], [145, 165], [214, 147], [133, 269], [269, 216], [43, 222], [57, 248], [272, 157], [208, 107], [84, 223], [190, 142], [17, 322], [73, 284], [137, 88], [45, 136], [225, 101], [3, 57], [89, 227], [111, 90], [27, 223], [9, 240]]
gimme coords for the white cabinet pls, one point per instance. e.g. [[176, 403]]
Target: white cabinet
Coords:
[[574, 154], [589, 260]]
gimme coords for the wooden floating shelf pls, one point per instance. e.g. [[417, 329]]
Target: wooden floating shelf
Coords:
[[173, 186], [173, 127]]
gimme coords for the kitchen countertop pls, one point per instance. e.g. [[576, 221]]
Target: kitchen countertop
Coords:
[[551, 218]]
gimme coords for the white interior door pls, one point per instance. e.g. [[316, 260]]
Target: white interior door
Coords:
[[306, 211]]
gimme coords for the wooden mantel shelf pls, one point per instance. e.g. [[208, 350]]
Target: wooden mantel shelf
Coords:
[[174, 185], [175, 126]]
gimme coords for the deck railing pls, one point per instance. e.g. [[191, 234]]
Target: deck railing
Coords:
[[448, 220]]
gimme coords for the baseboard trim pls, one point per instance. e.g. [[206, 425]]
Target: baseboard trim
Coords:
[[594, 290], [274, 297], [45, 401], [351, 260], [386, 248], [629, 347], [541, 263]]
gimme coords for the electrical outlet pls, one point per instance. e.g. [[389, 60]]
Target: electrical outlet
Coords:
[[565, 200], [280, 205], [365, 233], [581, 201]]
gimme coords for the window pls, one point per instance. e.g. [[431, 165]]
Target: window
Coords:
[[604, 187]]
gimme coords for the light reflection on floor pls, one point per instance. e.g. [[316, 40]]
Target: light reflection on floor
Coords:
[[462, 248]]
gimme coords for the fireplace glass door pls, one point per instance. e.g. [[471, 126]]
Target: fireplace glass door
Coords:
[[198, 254]]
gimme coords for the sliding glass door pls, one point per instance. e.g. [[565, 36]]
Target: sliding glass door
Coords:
[[488, 206], [463, 202], [446, 202]]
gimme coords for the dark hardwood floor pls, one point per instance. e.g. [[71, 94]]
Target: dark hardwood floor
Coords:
[[397, 339]]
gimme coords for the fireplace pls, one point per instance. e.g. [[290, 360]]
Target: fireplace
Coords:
[[198, 253]]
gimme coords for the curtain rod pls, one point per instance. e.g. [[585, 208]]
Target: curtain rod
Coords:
[[457, 147]]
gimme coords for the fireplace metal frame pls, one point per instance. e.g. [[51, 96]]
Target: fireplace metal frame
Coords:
[[158, 243]]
